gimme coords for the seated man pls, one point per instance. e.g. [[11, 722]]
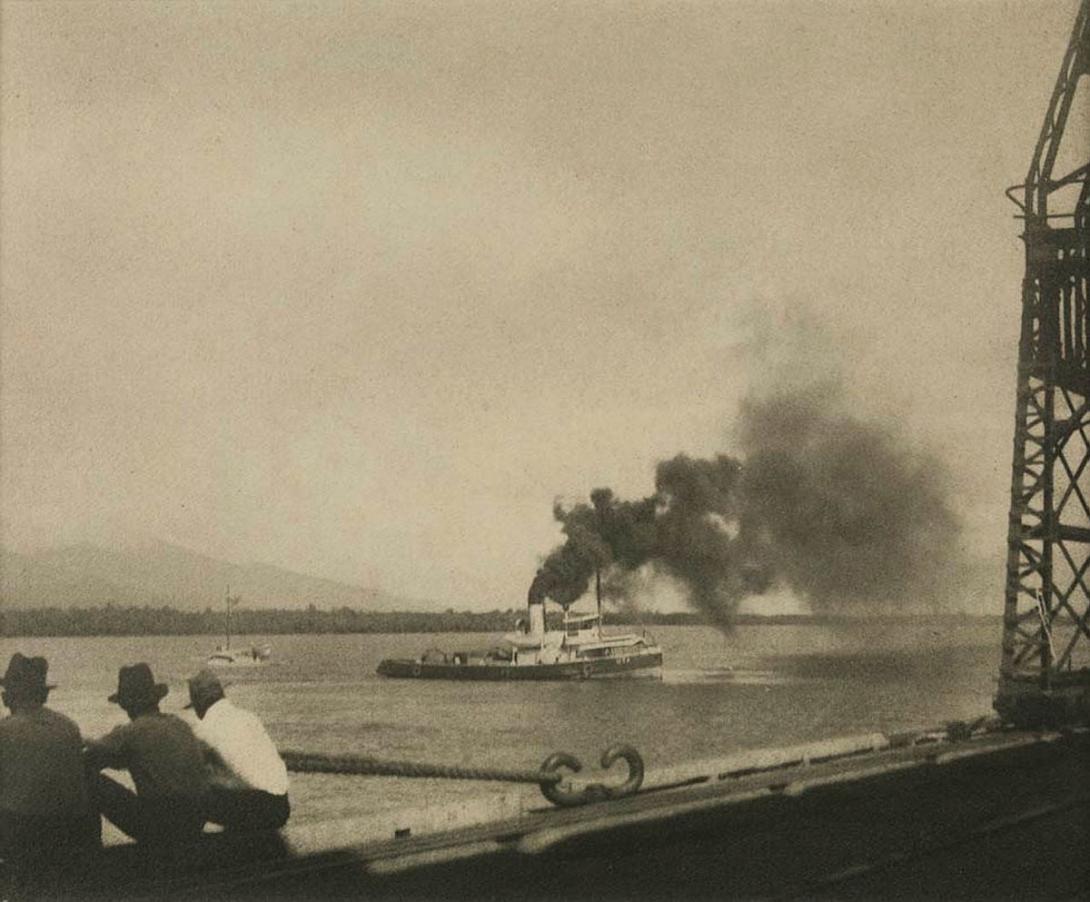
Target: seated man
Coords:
[[164, 758], [46, 816], [248, 780]]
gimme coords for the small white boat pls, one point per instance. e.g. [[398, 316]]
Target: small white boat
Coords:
[[227, 656]]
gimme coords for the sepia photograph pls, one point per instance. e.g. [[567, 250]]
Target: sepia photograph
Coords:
[[544, 449]]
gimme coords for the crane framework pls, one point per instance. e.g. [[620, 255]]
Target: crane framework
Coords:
[[1045, 666]]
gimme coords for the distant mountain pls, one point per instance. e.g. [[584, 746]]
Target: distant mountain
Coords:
[[162, 574]]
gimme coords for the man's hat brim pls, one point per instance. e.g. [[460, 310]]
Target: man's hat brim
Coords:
[[45, 686], [205, 689], [158, 693]]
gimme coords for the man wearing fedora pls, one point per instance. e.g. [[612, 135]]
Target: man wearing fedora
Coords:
[[248, 785], [46, 816], [164, 758]]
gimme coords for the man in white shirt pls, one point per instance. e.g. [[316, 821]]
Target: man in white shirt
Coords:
[[248, 780]]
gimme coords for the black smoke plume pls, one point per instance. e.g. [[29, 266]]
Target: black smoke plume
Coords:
[[835, 508]]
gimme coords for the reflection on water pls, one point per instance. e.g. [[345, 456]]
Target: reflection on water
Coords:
[[760, 685], [724, 675]]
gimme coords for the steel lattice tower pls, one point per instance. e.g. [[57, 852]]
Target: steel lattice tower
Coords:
[[1045, 668]]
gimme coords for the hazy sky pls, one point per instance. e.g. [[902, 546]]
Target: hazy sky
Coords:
[[359, 288]]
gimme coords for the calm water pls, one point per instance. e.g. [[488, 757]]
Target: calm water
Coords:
[[761, 685]]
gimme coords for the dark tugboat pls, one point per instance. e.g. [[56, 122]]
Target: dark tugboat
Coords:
[[576, 651]]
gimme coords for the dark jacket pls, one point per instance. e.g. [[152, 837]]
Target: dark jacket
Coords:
[[162, 754]]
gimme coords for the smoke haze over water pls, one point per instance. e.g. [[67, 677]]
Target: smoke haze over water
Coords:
[[837, 509]]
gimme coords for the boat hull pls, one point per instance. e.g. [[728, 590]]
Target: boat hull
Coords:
[[219, 660], [229, 657], [633, 665]]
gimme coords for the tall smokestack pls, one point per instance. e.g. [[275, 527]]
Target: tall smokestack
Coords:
[[535, 604], [537, 619]]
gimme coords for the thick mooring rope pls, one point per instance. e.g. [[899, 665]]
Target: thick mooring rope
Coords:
[[554, 785], [358, 765]]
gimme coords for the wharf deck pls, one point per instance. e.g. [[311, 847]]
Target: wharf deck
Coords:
[[989, 815]]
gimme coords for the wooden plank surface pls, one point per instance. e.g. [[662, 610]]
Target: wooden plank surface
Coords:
[[867, 820]]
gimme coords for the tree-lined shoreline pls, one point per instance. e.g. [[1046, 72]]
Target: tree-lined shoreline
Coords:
[[110, 620]]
